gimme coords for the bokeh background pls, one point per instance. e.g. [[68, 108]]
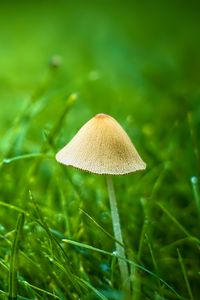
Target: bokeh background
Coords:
[[61, 62]]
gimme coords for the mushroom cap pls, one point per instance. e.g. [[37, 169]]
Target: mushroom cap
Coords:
[[101, 146]]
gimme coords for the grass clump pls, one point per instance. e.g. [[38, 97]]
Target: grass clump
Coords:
[[139, 64]]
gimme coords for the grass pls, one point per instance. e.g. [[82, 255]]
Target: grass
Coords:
[[139, 63]]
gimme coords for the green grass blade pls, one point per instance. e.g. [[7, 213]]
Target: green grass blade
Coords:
[[3, 265], [25, 156], [11, 206], [100, 227], [152, 253], [84, 283], [127, 260], [181, 227], [41, 290], [5, 296], [142, 238], [69, 103], [12, 284], [180, 259]]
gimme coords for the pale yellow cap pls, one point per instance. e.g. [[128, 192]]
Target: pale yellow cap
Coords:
[[101, 146]]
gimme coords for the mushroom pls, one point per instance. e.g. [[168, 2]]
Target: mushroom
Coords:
[[102, 146]]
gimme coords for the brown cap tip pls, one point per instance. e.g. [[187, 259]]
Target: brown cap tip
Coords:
[[101, 116], [101, 146]]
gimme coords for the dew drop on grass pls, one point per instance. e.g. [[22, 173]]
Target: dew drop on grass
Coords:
[[6, 161], [194, 179], [2, 229]]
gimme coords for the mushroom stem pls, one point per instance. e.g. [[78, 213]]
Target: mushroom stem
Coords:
[[118, 234]]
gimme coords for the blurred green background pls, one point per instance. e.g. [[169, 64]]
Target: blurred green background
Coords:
[[61, 62]]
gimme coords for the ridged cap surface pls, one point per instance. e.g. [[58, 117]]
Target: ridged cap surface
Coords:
[[101, 146]]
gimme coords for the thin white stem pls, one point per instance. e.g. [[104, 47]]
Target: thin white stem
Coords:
[[118, 234]]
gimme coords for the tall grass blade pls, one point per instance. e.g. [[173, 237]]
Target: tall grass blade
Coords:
[[100, 227], [84, 283], [12, 284], [181, 227], [180, 259]]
